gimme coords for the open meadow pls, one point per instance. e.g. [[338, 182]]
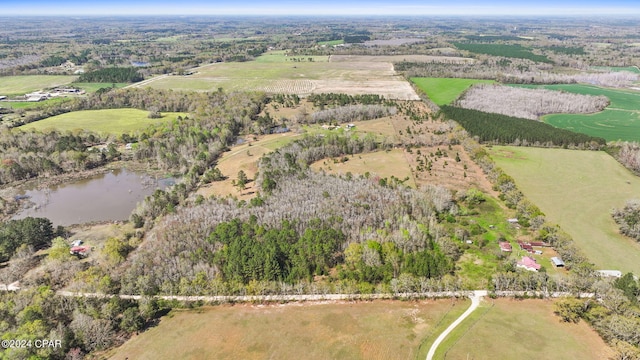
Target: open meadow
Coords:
[[361, 330], [521, 329], [276, 72], [443, 91], [23, 84], [108, 121], [577, 190], [618, 121]]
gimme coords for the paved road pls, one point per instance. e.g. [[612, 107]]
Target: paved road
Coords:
[[475, 301]]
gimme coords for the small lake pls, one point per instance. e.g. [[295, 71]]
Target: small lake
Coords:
[[105, 197]]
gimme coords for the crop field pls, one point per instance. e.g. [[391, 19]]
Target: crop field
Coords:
[[443, 91], [619, 121], [108, 121], [521, 329], [363, 330], [23, 84], [577, 190], [276, 72]]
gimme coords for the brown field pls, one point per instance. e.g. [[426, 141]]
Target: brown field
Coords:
[[244, 157], [380, 163], [525, 329], [363, 330]]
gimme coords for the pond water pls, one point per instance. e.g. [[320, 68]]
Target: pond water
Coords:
[[106, 197]]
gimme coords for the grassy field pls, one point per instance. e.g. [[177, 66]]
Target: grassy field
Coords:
[[331, 42], [32, 105], [443, 91], [577, 190], [23, 84], [274, 72], [110, 121], [633, 69], [619, 121], [380, 163], [365, 330], [525, 329]]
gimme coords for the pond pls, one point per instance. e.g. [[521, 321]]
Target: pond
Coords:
[[105, 197]]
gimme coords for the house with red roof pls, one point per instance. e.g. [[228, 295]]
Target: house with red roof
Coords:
[[505, 246], [528, 263]]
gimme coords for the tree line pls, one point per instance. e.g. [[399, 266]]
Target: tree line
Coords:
[[497, 128], [112, 75]]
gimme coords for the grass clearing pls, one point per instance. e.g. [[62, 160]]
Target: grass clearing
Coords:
[[577, 190], [380, 163], [23, 84], [331, 42], [108, 121], [521, 329], [274, 72], [618, 121], [443, 91], [362, 330], [244, 157]]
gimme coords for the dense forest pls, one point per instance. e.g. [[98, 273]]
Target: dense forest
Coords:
[[112, 75], [496, 128]]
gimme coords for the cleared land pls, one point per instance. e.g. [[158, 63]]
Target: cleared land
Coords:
[[373, 330], [383, 164], [577, 190], [525, 329], [443, 91], [277, 72], [244, 157], [109, 121], [23, 84], [619, 121]]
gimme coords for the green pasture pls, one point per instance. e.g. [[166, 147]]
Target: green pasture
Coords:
[[619, 121], [633, 69], [27, 105], [331, 42], [577, 190], [443, 91], [109, 121], [521, 329], [23, 84]]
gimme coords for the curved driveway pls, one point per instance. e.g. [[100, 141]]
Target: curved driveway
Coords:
[[475, 301]]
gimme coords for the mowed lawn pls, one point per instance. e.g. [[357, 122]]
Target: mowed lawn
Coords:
[[577, 190], [108, 121], [23, 84], [619, 121], [443, 91], [363, 330], [522, 329]]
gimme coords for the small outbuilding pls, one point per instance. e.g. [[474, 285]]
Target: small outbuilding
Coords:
[[528, 263], [505, 246], [557, 261]]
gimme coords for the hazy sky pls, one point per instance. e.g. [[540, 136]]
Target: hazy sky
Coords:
[[318, 7]]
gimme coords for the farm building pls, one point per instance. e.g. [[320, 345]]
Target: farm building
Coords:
[[528, 263], [80, 251], [505, 246], [525, 246], [557, 261], [512, 221]]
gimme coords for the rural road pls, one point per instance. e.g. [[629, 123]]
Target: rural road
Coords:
[[475, 301]]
